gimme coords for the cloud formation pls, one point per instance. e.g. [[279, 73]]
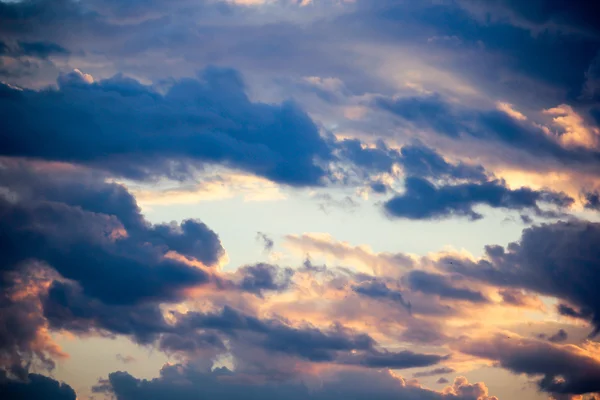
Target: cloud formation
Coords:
[[35, 387], [137, 132], [226, 384], [423, 200], [427, 111], [564, 369], [559, 260]]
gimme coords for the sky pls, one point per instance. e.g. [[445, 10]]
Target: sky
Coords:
[[299, 199]]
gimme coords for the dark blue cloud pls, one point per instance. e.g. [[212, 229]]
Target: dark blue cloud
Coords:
[[434, 372], [393, 360], [442, 286], [568, 311], [41, 49], [419, 160], [191, 344], [31, 49], [379, 187], [379, 290], [579, 14], [415, 159], [92, 232], [592, 200], [559, 336], [267, 242], [35, 387], [309, 343], [378, 159], [265, 277], [224, 384], [560, 260], [493, 126], [338, 345], [74, 225], [67, 308], [423, 200], [496, 45], [559, 370], [130, 130], [430, 111]]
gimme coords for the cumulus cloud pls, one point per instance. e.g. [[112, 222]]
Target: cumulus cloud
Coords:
[[564, 369], [559, 260], [81, 257], [93, 233], [139, 133], [227, 384]]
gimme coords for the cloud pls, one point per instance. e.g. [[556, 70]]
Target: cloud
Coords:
[[226, 384], [517, 298], [434, 372], [579, 14], [559, 260], [376, 159], [386, 264], [24, 338], [564, 369], [35, 387], [415, 159], [569, 311], [379, 187], [440, 285], [419, 160], [266, 240], [559, 336], [80, 257], [139, 133], [423, 200], [592, 200], [125, 359], [67, 308], [379, 290], [458, 122], [264, 277], [92, 232], [338, 345], [32, 49]]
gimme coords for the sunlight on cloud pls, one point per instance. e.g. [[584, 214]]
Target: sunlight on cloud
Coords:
[[325, 245], [509, 109], [250, 188], [576, 133]]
